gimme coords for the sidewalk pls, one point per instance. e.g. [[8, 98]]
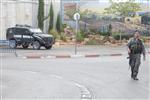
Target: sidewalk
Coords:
[[78, 55], [32, 85], [69, 52]]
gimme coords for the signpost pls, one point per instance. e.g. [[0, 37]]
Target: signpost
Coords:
[[76, 18]]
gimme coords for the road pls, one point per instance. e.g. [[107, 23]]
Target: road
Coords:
[[71, 78]]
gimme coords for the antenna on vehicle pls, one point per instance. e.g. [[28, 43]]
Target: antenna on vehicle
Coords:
[[17, 25], [27, 25]]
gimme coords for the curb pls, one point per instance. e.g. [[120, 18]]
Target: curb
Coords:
[[91, 56], [62, 56], [66, 56], [33, 57], [70, 56]]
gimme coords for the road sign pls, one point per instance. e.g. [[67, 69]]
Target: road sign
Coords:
[[76, 16]]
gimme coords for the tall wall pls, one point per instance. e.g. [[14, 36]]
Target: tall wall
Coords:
[[14, 12]]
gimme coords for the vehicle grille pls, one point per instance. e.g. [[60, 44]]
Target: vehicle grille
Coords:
[[48, 40]]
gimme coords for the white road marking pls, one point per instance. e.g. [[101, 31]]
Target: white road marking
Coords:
[[56, 76]]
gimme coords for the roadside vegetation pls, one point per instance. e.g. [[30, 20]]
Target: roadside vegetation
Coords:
[[95, 29]]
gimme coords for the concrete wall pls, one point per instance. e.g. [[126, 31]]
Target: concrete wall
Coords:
[[14, 12]]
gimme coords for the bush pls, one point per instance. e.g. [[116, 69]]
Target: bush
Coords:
[[94, 31], [144, 38], [55, 34], [63, 26], [127, 37], [79, 37], [116, 36], [103, 33], [63, 37], [92, 42], [84, 34]]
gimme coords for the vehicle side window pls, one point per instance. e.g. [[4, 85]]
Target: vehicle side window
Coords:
[[10, 31], [18, 31], [27, 32], [24, 31]]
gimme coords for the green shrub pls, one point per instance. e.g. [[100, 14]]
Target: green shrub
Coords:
[[103, 33], [94, 31], [116, 36], [55, 34], [115, 33], [79, 37], [92, 42], [63, 37], [83, 33], [144, 38]]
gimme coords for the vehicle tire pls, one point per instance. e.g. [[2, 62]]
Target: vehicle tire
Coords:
[[12, 44], [36, 45], [48, 47], [25, 45]]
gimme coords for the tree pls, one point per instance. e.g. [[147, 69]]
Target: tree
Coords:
[[41, 14], [109, 30], [58, 23], [122, 8], [51, 15]]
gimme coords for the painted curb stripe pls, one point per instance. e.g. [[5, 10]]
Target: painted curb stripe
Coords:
[[63, 56], [33, 57], [90, 56], [115, 54]]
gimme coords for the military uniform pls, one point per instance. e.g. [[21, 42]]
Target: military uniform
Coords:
[[137, 48]]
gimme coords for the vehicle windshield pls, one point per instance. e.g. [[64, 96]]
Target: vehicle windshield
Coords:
[[38, 31]]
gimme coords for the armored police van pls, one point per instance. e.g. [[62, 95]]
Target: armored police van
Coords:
[[25, 35]]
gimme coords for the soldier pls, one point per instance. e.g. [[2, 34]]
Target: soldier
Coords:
[[135, 49]]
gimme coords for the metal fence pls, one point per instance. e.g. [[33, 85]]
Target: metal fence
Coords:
[[7, 47]]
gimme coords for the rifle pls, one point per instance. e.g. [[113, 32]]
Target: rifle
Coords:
[[129, 57]]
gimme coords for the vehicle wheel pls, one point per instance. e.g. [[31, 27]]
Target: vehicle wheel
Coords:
[[12, 44], [48, 47], [25, 45], [36, 45]]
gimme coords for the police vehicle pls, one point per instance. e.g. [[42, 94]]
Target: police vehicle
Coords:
[[25, 35]]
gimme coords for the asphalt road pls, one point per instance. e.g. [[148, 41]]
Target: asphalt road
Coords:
[[99, 78]]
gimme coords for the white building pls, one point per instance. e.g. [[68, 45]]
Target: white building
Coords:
[[14, 12]]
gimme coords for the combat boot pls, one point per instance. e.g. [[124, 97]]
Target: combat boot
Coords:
[[135, 78]]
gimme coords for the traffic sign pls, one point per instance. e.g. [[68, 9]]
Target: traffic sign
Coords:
[[76, 16]]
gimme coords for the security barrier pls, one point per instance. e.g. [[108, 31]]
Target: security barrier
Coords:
[[8, 46]]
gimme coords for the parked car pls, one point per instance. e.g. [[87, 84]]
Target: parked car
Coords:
[[25, 35]]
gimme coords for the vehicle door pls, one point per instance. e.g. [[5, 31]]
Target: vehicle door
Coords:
[[18, 35], [10, 34], [26, 36]]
